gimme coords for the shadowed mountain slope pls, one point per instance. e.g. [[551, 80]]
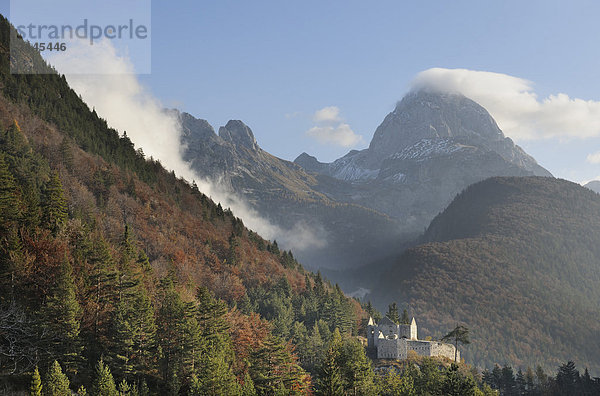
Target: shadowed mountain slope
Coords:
[[516, 261]]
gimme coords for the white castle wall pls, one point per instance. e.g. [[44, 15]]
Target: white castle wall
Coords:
[[394, 341], [446, 350]]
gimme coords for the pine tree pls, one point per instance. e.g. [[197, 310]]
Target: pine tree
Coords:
[[319, 286], [247, 388], [82, 391], [495, 377], [428, 379], [122, 341], [392, 313], [66, 152], [372, 311], [405, 319], [103, 293], [214, 369], [54, 206], [460, 334], [216, 376], [36, 383], [397, 384], [132, 320], [274, 248], [124, 388], [356, 368], [330, 382], [568, 379], [128, 273], [10, 216], [507, 383], [338, 311], [456, 384], [192, 343], [31, 213], [61, 317], [9, 202], [15, 142], [56, 383], [170, 320], [315, 349], [143, 326], [104, 384], [272, 366], [211, 314]]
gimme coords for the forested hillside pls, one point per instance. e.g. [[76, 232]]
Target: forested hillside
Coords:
[[516, 261], [119, 278], [110, 263]]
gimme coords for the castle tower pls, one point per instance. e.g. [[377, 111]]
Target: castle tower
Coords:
[[371, 333], [413, 329]]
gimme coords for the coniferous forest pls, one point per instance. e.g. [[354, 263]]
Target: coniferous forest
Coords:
[[119, 278]]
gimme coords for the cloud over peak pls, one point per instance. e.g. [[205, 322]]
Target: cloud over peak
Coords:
[[515, 105]]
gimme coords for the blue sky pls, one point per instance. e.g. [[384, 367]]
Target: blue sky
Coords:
[[273, 64]]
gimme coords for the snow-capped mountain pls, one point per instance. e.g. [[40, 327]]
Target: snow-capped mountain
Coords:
[[369, 202], [431, 147]]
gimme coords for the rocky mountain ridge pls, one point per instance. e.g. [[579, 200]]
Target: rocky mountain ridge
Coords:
[[431, 147], [286, 195]]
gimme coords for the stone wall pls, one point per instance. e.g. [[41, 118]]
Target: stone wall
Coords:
[[391, 348], [445, 350], [422, 348]]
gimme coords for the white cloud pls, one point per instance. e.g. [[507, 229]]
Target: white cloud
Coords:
[[339, 135], [331, 128], [128, 106], [329, 114], [594, 158], [118, 96], [515, 106]]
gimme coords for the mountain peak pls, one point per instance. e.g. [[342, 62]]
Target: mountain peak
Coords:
[[309, 163], [430, 115], [238, 133], [305, 157], [197, 127]]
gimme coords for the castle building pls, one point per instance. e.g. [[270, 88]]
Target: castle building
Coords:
[[394, 341]]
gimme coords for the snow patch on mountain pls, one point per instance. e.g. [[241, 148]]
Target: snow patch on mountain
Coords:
[[428, 148], [347, 168]]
